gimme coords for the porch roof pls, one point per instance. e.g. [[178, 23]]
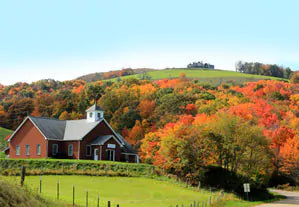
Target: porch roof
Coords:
[[102, 139]]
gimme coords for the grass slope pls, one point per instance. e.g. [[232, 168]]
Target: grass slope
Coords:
[[14, 196], [126, 191], [203, 75], [3, 133]]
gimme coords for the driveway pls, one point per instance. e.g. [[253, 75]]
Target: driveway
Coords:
[[292, 200]]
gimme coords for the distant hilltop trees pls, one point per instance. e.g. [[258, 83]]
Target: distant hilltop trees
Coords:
[[200, 65], [263, 69]]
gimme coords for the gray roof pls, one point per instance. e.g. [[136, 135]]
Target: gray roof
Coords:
[[101, 140], [94, 107], [51, 128], [64, 130], [127, 148]]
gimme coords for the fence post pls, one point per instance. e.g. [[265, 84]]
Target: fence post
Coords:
[[86, 197], [23, 172], [109, 204], [117, 205], [194, 204], [98, 204], [58, 189], [40, 185], [73, 195]]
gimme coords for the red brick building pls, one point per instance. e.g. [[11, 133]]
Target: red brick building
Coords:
[[91, 138]]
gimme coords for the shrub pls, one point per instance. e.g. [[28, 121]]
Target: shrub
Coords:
[[73, 167]]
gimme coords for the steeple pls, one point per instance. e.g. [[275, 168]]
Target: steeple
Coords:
[[94, 113]]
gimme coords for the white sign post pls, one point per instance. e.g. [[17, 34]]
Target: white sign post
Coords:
[[246, 189]]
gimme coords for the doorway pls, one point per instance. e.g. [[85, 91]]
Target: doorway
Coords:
[[96, 154], [111, 155]]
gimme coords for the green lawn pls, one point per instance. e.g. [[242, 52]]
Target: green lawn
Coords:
[[126, 191], [203, 75], [3, 133]]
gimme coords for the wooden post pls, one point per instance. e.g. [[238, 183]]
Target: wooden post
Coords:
[[73, 195], [117, 205], [98, 204], [40, 185], [194, 204], [23, 172], [86, 197], [58, 189], [109, 204]]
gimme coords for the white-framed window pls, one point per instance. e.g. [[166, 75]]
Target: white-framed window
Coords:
[[27, 149], [54, 149], [88, 150], [38, 149], [18, 150], [70, 150], [90, 114]]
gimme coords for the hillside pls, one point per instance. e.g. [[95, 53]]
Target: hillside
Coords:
[[13, 196], [214, 77], [3, 133], [112, 74]]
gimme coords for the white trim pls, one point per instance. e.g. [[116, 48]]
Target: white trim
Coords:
[[24, 121]]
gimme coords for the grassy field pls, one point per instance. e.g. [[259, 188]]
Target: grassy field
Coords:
[[3, 133], [128, 192], [203, 75]]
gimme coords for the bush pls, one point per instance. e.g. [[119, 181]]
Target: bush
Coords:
[[231, 182], [73, 167]]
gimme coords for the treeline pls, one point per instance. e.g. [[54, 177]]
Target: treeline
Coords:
[[113, 74], [180, 125], [264, 69]]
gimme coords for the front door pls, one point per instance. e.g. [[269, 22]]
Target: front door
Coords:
[[95, 154]]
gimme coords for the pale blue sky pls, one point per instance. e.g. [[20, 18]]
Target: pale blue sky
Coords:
[[64, 39]]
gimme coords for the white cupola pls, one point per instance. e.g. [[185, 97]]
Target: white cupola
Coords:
[[94, 113]]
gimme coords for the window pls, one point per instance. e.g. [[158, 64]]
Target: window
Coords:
[[18, 150], [38, 149], [99, 115], [127, 157], [27, 149], [54, 149], [90, 114], [70, 150], [88, 150]]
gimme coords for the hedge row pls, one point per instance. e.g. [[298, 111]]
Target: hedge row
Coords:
[[74, 167]]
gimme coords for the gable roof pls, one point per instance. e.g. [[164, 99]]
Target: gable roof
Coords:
[[61, 130], [73, 130], [94, 107], [127, 148], [102, 139], [50, 128]]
